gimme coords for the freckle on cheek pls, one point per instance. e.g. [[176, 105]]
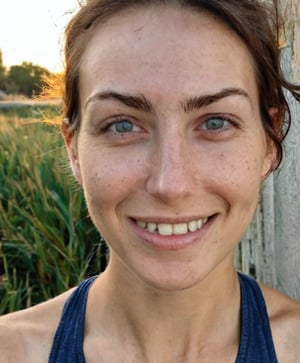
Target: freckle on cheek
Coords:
[[95, 177]]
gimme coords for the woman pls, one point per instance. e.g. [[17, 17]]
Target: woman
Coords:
[[174, 116]]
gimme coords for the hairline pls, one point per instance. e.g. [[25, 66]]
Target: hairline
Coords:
[[176, 4]]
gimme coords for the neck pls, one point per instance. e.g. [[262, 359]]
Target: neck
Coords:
[[169, 321]]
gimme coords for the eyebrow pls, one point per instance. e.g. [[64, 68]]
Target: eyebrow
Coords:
[[138, 102], [195, 103], [141, 103]]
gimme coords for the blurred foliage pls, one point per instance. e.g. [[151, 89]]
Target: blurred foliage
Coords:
[[24, 79], [47, 241], [2, 72]]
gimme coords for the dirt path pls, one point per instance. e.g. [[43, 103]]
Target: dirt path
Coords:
[[29, 102]]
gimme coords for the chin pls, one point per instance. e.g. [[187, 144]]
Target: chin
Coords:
[[174, 279]]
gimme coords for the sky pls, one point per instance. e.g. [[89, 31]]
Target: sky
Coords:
[[32, 31]]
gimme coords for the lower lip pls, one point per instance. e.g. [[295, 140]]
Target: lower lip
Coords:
[[173, 242]]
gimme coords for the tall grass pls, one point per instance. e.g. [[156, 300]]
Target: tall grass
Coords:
[[47, 241]]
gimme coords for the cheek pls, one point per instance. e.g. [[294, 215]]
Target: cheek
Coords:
[[109, 176], [237, 174]]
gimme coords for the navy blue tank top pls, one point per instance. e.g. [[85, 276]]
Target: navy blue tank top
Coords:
[[256, 343]]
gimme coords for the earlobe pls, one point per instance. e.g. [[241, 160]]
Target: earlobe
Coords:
[[270, 161], [271, 158], [74, 163], [70, 143]]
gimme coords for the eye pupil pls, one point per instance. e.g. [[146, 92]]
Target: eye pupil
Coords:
[[214, 124], [124, 126]]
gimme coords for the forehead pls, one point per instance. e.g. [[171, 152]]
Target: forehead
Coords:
[[163, 49]]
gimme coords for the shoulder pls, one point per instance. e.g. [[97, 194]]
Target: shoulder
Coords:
[[284, 315], [26, 335]]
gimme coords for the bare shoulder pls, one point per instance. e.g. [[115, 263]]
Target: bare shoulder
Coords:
[[284, 314], [26, 335]]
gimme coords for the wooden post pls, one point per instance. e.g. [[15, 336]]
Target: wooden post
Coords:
[[270, 249]]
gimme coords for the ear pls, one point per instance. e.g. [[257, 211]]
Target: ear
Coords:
[[71, 146], [271, 157], [270, 161]]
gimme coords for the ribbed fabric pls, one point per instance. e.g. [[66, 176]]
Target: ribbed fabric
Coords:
[[256, 343], [68, 341]]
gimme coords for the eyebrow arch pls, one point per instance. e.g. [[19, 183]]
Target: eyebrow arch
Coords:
[[138, 102], [195, 103]]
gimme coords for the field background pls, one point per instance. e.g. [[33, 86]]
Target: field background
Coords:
[[47, 241]]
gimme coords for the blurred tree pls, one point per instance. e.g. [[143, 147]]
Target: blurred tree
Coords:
[[25, 79], [2, 72]]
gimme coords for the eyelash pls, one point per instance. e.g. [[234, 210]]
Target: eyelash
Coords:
[[229, 124], [224, 118], [118, 120]]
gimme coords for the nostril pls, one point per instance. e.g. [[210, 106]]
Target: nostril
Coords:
[[164, 188], [169, 181]]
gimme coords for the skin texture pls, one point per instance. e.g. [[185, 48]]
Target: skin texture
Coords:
[[185, 156], [169, 169]]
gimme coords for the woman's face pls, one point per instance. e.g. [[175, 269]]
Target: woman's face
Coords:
[[171, 150]]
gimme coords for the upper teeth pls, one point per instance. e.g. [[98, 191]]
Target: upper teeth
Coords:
[[167, 229]]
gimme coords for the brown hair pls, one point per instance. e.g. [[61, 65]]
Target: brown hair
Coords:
[[254, 21]]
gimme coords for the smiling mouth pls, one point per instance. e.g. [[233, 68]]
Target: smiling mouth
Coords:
[[168, 229]]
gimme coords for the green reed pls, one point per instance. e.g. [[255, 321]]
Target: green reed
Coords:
[[47, 241]]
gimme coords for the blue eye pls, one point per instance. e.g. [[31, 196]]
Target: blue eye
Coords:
[[215, 123], [122, 126]]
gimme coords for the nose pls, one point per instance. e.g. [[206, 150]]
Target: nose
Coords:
[[170, 175]]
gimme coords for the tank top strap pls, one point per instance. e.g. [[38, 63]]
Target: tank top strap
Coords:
[[256, 341], [68, 341]]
